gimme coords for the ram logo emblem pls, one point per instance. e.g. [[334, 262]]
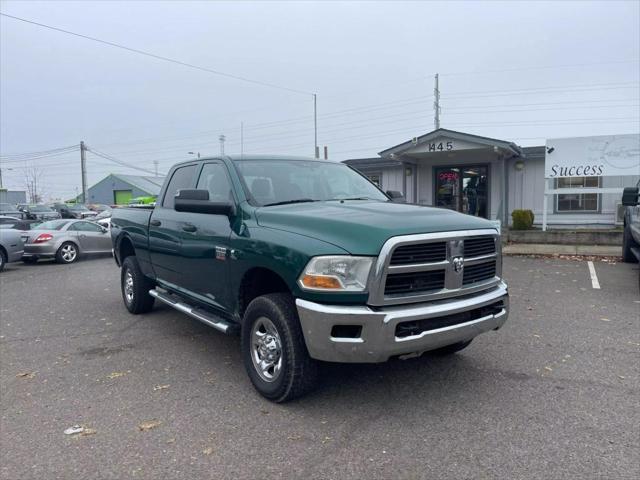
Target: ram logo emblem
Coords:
[[458, 264]]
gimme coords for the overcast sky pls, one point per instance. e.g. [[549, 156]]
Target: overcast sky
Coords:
[[371, 65]]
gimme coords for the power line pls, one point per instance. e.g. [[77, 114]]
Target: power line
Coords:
[[159, 57], [119, 162], [538, 67]]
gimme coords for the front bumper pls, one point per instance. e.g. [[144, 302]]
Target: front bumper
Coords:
[[372, 332]]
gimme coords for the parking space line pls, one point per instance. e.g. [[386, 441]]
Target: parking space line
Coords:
[[594, 278]]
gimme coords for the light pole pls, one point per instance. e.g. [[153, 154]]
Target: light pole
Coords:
[[194, 153]]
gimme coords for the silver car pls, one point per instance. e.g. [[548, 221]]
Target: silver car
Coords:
[[11, 245], [65, 240]]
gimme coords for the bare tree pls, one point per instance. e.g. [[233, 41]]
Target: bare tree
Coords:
[[33, 179]]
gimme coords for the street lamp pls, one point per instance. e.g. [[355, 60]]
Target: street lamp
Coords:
[[194, 153]]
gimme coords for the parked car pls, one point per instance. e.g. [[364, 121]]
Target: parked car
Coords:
[[65, 240], [98, 207], [631, 234], [38, 212], [10, 210], [11, 246], [17, 224], [73, 210], [309, 261], [104, 218]]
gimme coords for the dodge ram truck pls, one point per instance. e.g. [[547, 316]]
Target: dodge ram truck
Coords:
[[309, 261]]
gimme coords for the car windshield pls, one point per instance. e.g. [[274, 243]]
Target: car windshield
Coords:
[[52, 225], [104, 214], [7, 207], [78, 207], [40, 208], [276, 182]]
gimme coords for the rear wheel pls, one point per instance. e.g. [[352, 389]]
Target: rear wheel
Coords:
[[135, 287], [67, 253], [3, 259], [273, 349], [449, 349], [627, 244]]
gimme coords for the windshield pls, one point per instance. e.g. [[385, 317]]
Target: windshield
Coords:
[[272, 182], [7, 207], [52, 225], [40, 208], [78, 207], [104, 214]]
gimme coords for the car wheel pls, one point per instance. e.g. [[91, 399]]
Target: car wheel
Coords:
[[67, 253], [449, 349], [627, 244], [30, 260], [273, 349], [3, 259], [135, 287]]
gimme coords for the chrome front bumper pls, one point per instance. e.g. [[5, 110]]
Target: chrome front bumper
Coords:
[[376, 340]]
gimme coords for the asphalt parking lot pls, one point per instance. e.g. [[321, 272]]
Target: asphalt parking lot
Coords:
[[554, 394]]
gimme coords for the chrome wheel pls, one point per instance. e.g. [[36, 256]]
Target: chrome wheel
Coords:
[[128, 286], [68, 253], [266, 349]]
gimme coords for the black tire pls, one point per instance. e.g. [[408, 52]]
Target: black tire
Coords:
[[453, 348], [137, 300], [68, 252], [30, 260], [3, 259], [627, 244], [297, 372]]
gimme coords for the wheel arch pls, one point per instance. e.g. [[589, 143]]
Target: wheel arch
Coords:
[[258, 281]]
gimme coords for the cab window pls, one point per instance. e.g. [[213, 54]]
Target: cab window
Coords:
[[214, 179], [181, 178]]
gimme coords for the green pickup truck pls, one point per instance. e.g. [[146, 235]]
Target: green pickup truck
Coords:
[[309, 261]]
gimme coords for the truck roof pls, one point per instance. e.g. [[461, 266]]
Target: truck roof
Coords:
[[245, 157]]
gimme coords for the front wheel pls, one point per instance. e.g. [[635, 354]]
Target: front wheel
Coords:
[[67, 253], [273, 349], [3, 259], [135, 287], [627, 244]]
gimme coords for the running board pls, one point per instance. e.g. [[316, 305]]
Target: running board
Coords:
[[199, 314]]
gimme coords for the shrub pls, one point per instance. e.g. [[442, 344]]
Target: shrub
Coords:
[[522, 219]]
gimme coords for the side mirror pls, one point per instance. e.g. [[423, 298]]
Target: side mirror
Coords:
[[395, 196], [630, 196], [197, 201]]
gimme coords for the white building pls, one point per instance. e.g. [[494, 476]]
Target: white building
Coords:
[[490, 178]]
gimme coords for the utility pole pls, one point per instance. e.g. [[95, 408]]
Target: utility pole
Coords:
[[155, 165], [222, 138], [83, 170], [436, 105], [316, 150], [241, 139]]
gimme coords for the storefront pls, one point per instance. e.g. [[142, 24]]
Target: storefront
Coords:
[[489, 178]]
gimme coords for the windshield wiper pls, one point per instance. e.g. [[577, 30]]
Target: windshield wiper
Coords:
[[350, 198], [287, 202]]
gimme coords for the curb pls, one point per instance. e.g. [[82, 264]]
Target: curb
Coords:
[[556, 249]]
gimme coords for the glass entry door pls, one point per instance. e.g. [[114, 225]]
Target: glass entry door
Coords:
[[464, 189]]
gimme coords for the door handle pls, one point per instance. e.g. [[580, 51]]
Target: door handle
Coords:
[[189, 228], [155, 223]]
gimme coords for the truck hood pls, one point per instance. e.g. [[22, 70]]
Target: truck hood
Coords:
[[362, 227]]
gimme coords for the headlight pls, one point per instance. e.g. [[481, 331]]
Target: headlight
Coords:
[[340, 273]]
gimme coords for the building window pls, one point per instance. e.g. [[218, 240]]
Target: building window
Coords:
[[577, 202], [375, 179]]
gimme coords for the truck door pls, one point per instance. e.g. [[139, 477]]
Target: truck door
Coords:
[[205, 240], [165, 228]]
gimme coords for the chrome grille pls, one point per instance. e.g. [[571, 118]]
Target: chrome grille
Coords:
[[419, 253], [479, 272], [415, 268]]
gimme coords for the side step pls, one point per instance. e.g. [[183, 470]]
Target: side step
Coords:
[[203, 316]]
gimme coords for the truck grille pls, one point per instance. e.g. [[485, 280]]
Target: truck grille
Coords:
[[477, 246], [416, 268], [419, 253], [479, 272], [416, 282]]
